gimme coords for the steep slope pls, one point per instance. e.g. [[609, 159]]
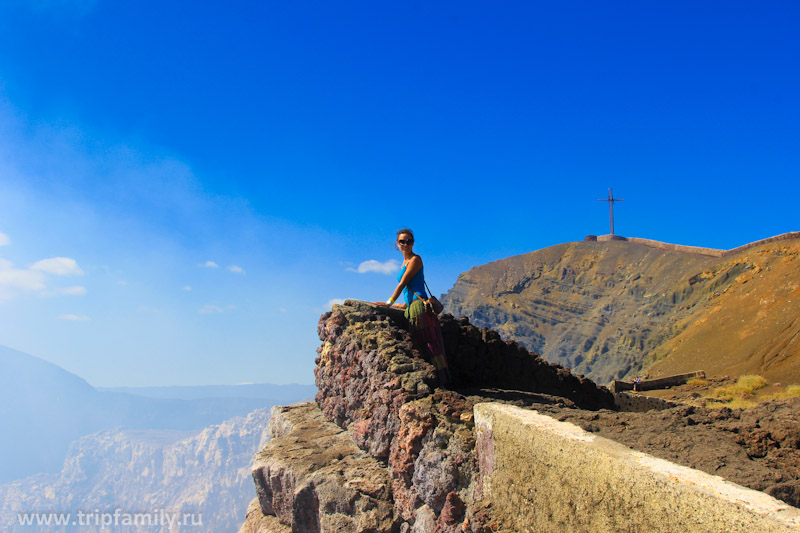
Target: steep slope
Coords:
[[611, 309], [204, 475], [749, 324], [595, 307]]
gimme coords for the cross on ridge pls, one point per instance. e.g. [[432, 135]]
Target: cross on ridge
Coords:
[[611, 201]]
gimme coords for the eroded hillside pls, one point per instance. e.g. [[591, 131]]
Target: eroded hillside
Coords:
[[610, 309], [748, 324]]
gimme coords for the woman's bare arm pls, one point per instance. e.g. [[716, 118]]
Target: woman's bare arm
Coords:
[[412, 268]]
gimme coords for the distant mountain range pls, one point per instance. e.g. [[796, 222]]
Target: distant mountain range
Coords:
[[274, 394], [615, 308], [43, 408]]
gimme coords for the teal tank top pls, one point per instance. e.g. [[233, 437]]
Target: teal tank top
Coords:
[[417, 284]]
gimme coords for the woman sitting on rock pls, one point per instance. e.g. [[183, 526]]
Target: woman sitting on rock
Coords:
[[426, 333]]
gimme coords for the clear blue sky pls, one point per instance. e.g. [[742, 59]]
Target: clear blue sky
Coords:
[[144, 142]]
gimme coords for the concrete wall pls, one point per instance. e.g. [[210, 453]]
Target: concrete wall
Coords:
[[712, 252], [546, 475], [776, 238]]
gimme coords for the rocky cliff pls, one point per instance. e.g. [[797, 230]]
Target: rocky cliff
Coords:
[[613, 308], [383, 448], [201, 473]]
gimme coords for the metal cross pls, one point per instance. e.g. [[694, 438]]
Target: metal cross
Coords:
[[611, 201]]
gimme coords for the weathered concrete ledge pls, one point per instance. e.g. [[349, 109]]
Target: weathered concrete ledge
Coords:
[[711, 252], [659, 383], [577, 481]]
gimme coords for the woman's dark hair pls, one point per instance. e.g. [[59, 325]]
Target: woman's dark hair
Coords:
[[405, 230]]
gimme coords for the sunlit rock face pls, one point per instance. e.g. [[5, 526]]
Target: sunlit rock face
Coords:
[[384, 448]]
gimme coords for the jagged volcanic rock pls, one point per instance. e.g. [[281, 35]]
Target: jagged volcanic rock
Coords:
[[384, 412]]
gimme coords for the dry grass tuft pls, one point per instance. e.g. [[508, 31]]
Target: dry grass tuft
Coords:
[[792, 391], [740, 403], [750, 384], [740, 395], [697, 382]]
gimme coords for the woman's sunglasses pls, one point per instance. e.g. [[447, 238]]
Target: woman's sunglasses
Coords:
[[405, 241]]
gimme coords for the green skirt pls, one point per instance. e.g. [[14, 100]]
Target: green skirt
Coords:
[[426, 334]]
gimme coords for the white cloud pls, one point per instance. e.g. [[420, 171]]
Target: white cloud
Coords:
[[14, 281], [34, 280], [59, 266], [236, 269], [210, 309], [209, 264], [77, 290], [74, 318], [327, 306], [122, 282], [5, 240], [283, 310], [187, 288], [389, 267]]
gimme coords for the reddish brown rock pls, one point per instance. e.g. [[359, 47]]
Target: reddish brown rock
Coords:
[[453, 511], [417, 466]]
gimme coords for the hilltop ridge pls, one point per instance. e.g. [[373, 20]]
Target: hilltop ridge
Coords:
[[712, 252]]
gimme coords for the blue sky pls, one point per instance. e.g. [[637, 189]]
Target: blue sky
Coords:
[[185, 186]]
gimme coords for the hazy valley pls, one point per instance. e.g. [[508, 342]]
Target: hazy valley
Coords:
[[69, 447]]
